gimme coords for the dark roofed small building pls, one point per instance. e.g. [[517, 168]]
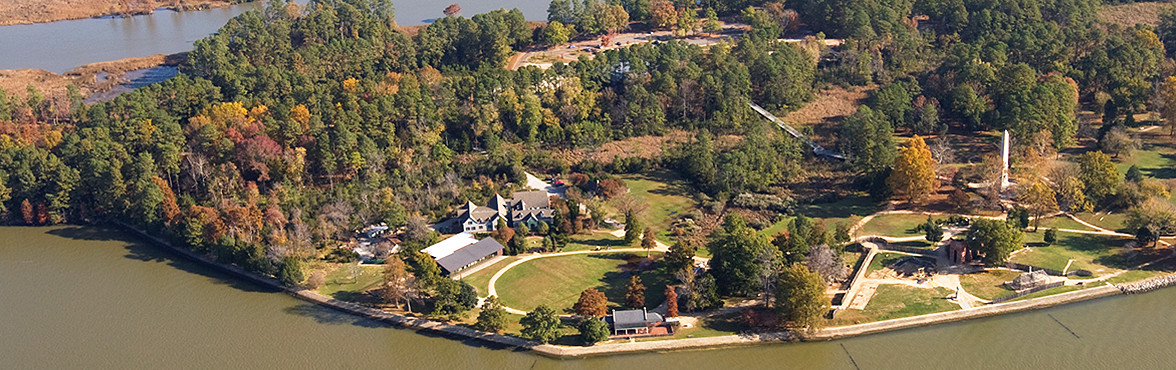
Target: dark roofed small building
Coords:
[[462, 251], [633, 321]]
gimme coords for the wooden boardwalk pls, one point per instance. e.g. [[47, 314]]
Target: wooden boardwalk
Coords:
[[817, 148]]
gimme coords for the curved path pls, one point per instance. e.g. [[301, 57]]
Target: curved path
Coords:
[[492, 291]]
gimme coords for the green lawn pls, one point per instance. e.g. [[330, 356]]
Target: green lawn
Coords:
[[883, 259], [847, 210], [1113, 221], [896, 301], [481, 280], [665, 196], [921, 244], [1061, 222], [342, 284], [1154, 160], [893, 225], [558, 281], [1097, 253], [592, 240], [989, 284]]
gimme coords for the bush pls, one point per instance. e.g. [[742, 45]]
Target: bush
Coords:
[[342, 255], [317, 279], [291, 273], [1051, 236], [764, 201], [592, 330]]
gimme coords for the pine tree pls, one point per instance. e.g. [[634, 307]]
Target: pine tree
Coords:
[[635, 293]]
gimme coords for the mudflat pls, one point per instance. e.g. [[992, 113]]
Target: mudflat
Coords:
[[39, 11]]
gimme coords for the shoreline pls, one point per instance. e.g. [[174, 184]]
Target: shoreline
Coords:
[[572, 352], [57, 15], [85, 77]]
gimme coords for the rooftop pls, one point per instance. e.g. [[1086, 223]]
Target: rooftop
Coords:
[[448, 246], [469, 254]]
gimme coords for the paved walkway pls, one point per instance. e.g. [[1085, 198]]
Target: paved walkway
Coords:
[[479, 267]]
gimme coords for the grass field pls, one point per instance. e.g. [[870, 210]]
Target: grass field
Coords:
[[989, 284], [558, 281], [592, 240], [883, 259], [1097, 253], [847, 210], [481, 280], [1113, 221], [1061, 222], [1131, 14], [342, 284], [893, 225], [665, 196], [896, 301]]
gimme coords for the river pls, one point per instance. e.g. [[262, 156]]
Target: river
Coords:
[[95, 298], [60, 46]]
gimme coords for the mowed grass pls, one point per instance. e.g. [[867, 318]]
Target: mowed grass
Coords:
[[558, 281], [884, 259], [1109, 221], [897, 301], [665, 196], [343, 284], [1098, 254], [848, 210], [481, 280], [894, 225], [594, 239], [988, 284], [1061, 222]]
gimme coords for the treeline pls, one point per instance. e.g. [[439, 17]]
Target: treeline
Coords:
[[294, 126]]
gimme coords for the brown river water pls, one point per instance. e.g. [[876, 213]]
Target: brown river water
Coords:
[[89, 297]]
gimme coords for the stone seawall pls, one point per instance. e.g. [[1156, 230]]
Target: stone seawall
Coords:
[[983, 311], [653, 346], [1148, 285]]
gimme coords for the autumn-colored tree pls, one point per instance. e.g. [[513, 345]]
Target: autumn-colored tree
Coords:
[[959, 199], [1072, 197], [671, 302], [914, 170], [452, 10], [1100, 175], [662, 14], [168, 209], [801, 297], [398, 283], [635, 292], [502, 233], [1168, 98], [1039, 199], [592, 303], [648, 240], [26, 212]]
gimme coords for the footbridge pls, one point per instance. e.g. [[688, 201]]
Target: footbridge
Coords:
[[817, 148]]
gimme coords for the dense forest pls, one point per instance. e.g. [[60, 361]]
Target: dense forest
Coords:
[[294, 126]]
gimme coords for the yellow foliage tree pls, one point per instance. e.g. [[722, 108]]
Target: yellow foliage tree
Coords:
[[914, 170], [1039, 199], [1168, 95]]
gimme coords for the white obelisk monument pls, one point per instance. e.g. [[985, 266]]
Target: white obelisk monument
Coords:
[[1004, 156]]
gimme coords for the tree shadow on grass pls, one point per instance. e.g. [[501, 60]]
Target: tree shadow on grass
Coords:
[[146, 251], [1162, 173]]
